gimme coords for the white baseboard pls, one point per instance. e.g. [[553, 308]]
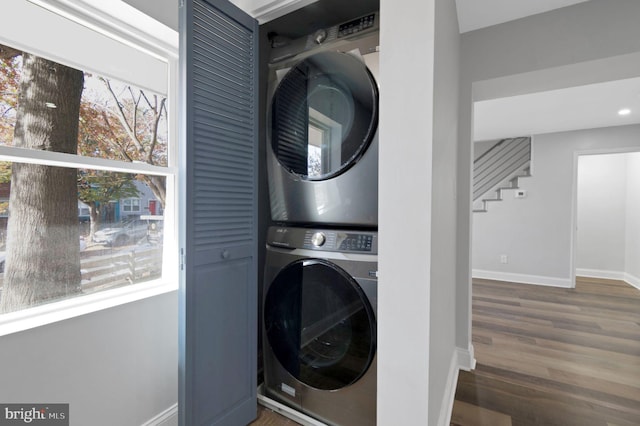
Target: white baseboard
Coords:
[[168, 417], [446, 407], [523, 278], [609, 275], [600, 273], [634, 281], [466, 358]]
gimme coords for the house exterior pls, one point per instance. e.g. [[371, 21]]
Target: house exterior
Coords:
[[431, 76], [145, 203]]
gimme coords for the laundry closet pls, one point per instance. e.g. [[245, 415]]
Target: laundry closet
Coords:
[[319, 204]]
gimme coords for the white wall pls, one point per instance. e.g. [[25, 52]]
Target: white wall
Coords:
[[590, 42], [602, 214], [632, 248], [535, 232], [114, 367], [608, 217], [406, 138]]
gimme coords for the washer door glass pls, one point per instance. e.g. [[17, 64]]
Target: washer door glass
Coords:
[[324, 115], [320, 324]]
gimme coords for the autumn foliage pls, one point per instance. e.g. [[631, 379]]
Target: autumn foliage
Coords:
[[117, 121]]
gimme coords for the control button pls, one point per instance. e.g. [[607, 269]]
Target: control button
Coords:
[[319, 36], [318, 239]]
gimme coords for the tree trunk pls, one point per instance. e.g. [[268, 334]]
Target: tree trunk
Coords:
[[94, 219], [43, 238], [157, 184]]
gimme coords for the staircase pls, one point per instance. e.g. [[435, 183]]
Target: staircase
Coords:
[[500, 169]]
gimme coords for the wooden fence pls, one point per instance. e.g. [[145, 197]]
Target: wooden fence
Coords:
[[116, 269], [108, 268]]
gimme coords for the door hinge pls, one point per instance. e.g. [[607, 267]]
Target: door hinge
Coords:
[[182, 259]]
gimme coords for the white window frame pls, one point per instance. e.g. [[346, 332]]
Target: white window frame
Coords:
[[331, 145], [106, 21]]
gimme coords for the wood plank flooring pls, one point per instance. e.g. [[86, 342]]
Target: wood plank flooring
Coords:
[[547, 356], [550, 356]]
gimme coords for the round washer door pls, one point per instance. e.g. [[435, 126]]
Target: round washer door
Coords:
[[319, 324], [324, 115]]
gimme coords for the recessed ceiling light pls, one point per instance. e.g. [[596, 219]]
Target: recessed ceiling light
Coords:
[[624, 111]]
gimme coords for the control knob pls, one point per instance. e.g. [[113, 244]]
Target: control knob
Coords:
[[320, 36], [318, 239]]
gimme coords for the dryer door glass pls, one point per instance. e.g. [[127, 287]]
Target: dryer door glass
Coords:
[[320, 324], [324, 115]]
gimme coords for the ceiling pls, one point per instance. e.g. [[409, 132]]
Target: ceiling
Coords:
[[476, 14], [574, 108]]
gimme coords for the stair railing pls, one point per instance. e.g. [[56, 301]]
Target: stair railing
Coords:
[[498, 163]]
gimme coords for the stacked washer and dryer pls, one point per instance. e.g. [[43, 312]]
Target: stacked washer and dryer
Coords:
[[320, 287]]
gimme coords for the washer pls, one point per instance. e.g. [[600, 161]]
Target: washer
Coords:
[[319, 323], [322, 127]]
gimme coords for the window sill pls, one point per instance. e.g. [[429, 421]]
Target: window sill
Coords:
[[50, 313]]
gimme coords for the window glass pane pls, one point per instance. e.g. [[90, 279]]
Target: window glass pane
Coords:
[[65, 235], [131, 205], [116, 120]]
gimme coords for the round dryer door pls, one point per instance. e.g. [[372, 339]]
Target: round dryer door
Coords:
[[324, 115], [320, 324]]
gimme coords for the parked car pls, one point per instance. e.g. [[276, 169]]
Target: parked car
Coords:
[[127, 232]]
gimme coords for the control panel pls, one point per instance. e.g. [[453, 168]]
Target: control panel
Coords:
[[357, 25], [347, 36], [356, 242], [365, 242]]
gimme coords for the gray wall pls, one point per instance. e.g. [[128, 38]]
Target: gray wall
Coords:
[[443, 211], [165, 11], [114, 367], [632, 249], [536, 232], [583, 32], [592, 41]]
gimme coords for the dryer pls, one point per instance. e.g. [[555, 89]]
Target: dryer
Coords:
[[322, 127], [319, 323]]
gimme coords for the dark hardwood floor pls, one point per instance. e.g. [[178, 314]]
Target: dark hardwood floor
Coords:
[[548, 356], [267, 417]]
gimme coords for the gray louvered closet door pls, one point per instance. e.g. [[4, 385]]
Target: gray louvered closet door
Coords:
[[218, 206]]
